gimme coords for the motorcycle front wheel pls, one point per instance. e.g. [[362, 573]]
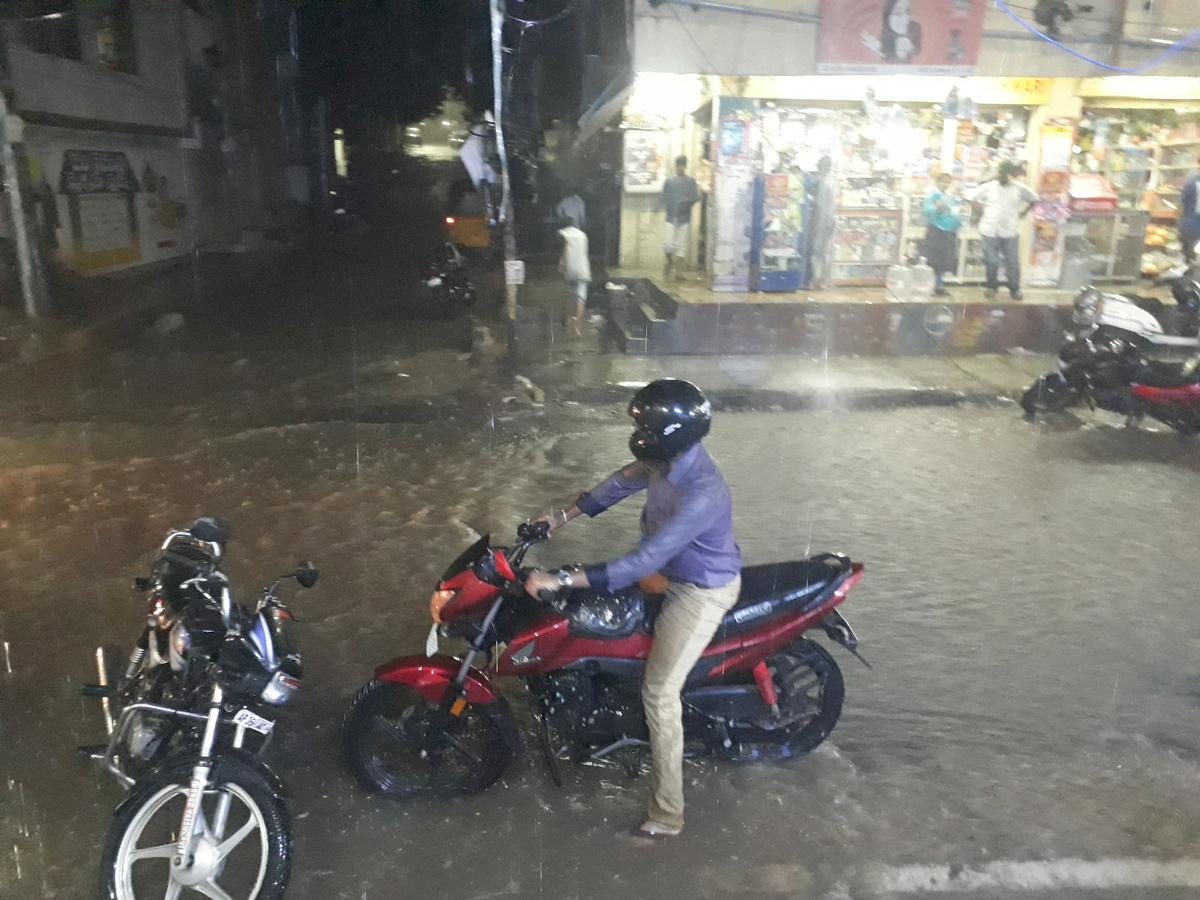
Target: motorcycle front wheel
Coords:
[[397, 742], [811, 692], [242, 850], [1050, 393]]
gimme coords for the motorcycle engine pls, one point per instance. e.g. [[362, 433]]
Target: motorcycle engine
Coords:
[[591, 709], [143, 738]]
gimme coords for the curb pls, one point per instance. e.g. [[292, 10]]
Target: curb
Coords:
[[765, 400]]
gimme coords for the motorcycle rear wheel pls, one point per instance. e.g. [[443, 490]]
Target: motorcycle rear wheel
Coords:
[[251, 860], [400, 744], [811, 692], [1050, 393]]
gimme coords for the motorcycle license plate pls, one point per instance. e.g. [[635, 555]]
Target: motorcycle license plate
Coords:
[[434, 282], [431, 642], [253, 722]]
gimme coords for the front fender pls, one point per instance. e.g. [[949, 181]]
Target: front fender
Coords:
[[431, 674], [227, 766]]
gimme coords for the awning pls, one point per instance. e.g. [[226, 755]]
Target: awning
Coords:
[[606, 108]]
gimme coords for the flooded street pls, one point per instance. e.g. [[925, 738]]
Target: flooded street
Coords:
[[1028, 608]]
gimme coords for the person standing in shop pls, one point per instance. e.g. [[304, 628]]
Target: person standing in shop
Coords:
[[822, 225], [942, 222], [1189, 218], [1004, 203], [679, 195]]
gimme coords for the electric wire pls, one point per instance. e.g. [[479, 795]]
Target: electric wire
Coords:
[[1175, 48]]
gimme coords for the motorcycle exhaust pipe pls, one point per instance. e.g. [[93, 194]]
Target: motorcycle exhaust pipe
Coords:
[[103, 673]]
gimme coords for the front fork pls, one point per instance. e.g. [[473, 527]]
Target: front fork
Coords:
[[455, 699], [184, 848]]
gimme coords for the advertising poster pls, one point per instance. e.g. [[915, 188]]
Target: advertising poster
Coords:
[[645, 161], [100, 188], [919, 37]]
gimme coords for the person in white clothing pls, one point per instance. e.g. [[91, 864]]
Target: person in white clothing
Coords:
[[1004, 202], [680, 193], [576, 268]]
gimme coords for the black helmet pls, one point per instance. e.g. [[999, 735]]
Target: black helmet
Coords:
[[668, 416]]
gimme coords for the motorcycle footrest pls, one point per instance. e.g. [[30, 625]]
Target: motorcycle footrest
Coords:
[[92, 751], [99, 690]]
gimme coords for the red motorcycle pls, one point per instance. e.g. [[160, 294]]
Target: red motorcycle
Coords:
[[1171, 398], [436, 724]]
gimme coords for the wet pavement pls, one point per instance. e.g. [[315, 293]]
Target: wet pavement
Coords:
[[1028, 607]]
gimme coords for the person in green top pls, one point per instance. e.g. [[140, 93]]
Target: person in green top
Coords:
[[942, 218]]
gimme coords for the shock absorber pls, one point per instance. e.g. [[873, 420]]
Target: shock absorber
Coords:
[[136, 655]]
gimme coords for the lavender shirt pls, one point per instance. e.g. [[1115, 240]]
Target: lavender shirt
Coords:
[[687, 524]]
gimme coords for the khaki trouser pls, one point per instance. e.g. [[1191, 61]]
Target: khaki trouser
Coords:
[[687, 623]]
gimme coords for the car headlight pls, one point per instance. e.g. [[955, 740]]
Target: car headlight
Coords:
[[439, 600], [279, 689]]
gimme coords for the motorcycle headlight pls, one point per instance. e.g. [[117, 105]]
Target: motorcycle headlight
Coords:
[[279, 689], [177, 646], [438, 601]]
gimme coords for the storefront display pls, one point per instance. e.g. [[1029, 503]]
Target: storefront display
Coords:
[[866, 243], [1147, 156], [888, 139]]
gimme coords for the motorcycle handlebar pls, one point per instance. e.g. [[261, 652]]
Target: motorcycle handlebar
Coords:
[[533, 532]]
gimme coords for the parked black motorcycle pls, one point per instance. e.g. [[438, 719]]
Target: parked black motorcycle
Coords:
[[1106, 370], [202, 807], [446, 288]]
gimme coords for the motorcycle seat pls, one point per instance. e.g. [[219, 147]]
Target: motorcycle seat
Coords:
[[768, 591]]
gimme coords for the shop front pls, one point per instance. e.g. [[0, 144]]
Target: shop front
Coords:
[[1107, 166], [1142, 137]]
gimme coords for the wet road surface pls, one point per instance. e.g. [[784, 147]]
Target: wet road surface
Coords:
[[1028, 606]]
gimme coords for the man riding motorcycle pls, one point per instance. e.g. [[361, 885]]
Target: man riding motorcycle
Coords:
[[687, 536]]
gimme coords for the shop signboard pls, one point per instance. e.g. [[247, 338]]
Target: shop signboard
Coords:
[[100, 188], [920, 37]]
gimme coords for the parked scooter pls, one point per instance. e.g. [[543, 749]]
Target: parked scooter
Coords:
[[1146, 321], [203, 812], [437, 724]]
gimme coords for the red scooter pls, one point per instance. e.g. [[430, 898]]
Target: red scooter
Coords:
[[436, 724]]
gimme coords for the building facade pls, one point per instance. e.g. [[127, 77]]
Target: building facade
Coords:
[[156, 128]]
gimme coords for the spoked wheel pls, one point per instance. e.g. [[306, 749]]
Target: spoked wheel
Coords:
[[242, 848], [1049, 394], [811, 691], [396, 742]]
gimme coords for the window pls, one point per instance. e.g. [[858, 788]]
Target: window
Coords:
[[51, 26], [115, 45]]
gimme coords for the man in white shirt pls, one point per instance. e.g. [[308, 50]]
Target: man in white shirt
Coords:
[[576, 268], [1005, 202]]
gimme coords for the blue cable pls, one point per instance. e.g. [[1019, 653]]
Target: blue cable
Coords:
[[1131, 70]]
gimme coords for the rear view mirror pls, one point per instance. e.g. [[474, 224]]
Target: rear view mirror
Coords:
[[210, 529], [307, 574]]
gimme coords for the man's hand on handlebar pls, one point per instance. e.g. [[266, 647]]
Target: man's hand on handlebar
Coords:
[[557, 518], [543, 585]]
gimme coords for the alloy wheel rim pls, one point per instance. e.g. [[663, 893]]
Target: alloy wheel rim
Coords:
[[211, 855]]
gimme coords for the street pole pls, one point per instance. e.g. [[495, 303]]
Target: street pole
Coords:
[[506, 223], [1120, 13], [12, 186]]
